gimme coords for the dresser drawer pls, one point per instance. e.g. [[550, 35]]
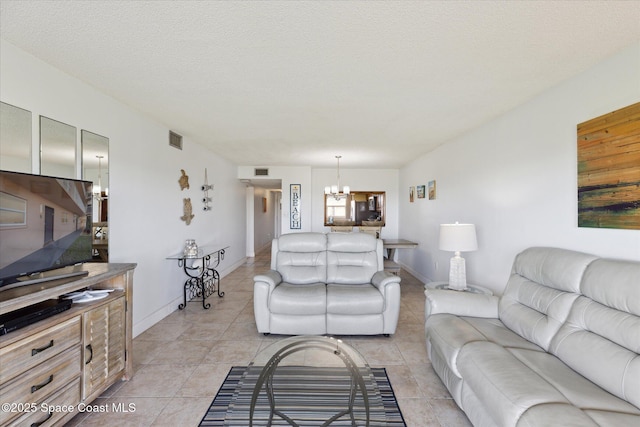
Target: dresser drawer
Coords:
[[25, 354], [42, 381], [59, 407]]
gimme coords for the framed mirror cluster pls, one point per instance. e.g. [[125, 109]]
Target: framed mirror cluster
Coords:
[[358, 208], [57, 153]]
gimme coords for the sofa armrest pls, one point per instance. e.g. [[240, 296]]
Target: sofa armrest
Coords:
[[263, 285], [383, 278], [460, 303], [272, 278]]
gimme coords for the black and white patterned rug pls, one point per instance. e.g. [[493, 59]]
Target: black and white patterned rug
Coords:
[[309, 396]]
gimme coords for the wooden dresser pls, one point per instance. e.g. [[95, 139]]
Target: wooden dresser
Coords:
[[51, 369]]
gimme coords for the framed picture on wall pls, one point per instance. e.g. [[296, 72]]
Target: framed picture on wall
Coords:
[[294, 215], [609, 170], [421, 189], [432, 190]]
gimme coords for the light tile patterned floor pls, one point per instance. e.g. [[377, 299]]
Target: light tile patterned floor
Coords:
[[182, 360]]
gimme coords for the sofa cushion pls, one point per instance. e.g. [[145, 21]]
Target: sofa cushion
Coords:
[[556, 268], [302, 268], [352, 258], [287, 298], [300, 258], [578, 390], [302, 242], [504, 385], [615, 284], [450, 333], [543, 285], [557, 414], [354, 299], [603, 326]]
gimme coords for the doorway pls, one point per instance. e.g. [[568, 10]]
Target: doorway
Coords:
[[264, 214], [48, 225]]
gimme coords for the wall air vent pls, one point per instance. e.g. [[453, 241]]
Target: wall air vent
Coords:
[[175, 140], [261, 172]]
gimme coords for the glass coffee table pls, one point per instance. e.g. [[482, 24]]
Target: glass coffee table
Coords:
[[307, 381]]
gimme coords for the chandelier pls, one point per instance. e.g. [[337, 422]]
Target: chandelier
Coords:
[[334, 190], [97, 188]]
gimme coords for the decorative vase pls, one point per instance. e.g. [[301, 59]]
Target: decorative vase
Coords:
[[190, 248]]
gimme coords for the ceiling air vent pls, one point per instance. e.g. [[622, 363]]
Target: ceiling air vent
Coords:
[[261, 172], [175, 140]]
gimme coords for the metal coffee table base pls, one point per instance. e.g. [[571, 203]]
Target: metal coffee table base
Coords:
[[321, 343]]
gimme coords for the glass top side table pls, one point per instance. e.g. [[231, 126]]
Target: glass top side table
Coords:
[[474, 289], [203, 278]]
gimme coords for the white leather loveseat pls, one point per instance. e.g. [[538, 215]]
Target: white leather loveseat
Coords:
[[326, 284], [559, 348]]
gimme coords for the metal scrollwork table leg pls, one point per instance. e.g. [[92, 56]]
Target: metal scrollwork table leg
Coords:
[[202, 280]]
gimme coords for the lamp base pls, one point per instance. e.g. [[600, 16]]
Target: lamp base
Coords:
[[457, 273]]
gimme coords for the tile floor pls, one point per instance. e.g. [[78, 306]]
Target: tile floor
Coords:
[[182, 360]]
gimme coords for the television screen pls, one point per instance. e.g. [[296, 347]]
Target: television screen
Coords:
[[45, 223]]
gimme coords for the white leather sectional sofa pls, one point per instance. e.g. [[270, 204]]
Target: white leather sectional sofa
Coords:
[[326, 284], [559, 348]]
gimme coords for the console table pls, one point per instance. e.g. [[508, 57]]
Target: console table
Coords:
[[203, 278], [391, 245]]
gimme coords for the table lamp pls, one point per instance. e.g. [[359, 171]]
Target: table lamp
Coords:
[[458, 238]]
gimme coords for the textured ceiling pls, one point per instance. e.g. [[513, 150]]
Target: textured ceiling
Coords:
[[296, 83]]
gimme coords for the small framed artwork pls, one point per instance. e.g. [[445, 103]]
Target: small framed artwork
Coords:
[[412, 193], [295, 215], [432, 190], [421, 189]]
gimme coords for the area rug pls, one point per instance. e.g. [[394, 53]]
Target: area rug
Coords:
[[221, 414]]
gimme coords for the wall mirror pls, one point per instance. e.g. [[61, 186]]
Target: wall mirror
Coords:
[[15, 138], [95, 168], [57, 148], [359, 208]]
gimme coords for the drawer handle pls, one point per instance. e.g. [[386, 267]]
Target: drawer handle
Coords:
[[35, 351], [90, 354], [35, 388], [39, 423]]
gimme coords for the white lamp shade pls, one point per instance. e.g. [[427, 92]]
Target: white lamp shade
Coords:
[[327, 190], [346, 189], [458, 237]]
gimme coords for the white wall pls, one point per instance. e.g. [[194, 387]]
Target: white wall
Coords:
[[288, 175], [145, 200], [516, 179], [313, 182]]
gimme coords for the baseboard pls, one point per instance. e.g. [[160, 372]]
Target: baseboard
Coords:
[[172, 306], [423, 279]]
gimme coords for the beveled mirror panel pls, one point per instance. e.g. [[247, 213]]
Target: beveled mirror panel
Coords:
[[359, 208], [57, 148], [95, 168], [15, 138]]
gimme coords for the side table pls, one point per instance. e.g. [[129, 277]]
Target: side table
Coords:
[[203, 278], [474, 289]]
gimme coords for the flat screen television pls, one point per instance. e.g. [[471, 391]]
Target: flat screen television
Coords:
[[45, 225]]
